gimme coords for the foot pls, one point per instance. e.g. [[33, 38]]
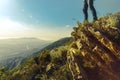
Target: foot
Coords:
[[95, 19]]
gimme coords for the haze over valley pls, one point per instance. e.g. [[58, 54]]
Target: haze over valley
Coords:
[[16, 50]]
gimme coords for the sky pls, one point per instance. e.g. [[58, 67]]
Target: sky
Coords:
[[46, 19]]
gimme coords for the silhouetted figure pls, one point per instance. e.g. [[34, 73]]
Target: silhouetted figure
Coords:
[[89, 3]]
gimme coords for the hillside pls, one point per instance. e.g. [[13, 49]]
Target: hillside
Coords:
[[61, 42], [93, 55]]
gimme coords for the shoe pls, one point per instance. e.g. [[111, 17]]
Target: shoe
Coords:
[[95, 19]]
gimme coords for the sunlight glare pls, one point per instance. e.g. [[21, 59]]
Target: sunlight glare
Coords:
[[9, 28], [4, 4]]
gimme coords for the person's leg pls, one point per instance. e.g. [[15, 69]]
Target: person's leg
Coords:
[[90, 2], [85, 10]]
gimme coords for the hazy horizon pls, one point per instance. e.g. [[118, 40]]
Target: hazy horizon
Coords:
[[51, 40]]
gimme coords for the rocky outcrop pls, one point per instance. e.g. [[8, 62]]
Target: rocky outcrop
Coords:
[[95, 53]]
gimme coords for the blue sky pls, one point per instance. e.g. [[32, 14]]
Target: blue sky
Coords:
[[46, 19]]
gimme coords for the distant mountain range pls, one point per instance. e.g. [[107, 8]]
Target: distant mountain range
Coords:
[[15, 46], [14, 51]]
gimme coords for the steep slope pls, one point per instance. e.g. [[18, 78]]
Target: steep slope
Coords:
[[93, 55], [61, 42], [48, 63]]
